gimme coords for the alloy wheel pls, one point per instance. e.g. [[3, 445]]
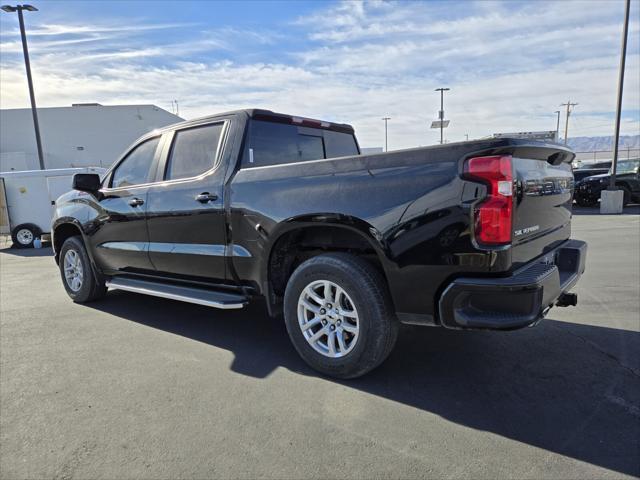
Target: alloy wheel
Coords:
[[328, 318], [73, 271]]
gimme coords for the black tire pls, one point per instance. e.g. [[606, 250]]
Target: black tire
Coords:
[[626, 196], [90, 288], [378, 326], [586, 202], [24, 235]]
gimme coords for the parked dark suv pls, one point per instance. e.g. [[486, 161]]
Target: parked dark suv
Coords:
[[581, 173], [246, 204], [587, 192]]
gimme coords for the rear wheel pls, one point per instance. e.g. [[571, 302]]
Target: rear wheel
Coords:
[[586, 201], [24, 235], [77, 273], [339, 315]]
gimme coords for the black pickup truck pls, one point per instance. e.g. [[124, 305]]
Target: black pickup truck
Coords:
[[223, 209]]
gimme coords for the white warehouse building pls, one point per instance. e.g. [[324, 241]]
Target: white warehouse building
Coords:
[[78, 136]]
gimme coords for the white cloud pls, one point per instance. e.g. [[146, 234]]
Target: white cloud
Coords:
[[508, 68]]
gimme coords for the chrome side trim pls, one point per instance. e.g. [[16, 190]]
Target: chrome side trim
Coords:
[[214, 250], [128, 246], [175, 296], [237, 251], [187, 248]]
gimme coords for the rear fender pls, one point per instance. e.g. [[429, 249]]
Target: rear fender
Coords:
[[334, 220]]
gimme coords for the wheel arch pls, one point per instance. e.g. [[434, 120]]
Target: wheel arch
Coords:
[[297, 239], [62, 229], [624, 184]]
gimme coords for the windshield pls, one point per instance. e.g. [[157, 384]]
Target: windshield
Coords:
[[627, 166]]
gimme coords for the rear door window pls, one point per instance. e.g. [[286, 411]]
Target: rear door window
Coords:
[[194, 151], [135, 168]]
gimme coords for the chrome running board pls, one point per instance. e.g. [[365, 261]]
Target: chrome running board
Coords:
[[198, 296]]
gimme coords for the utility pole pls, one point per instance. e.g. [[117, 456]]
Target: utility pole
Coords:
[[558, 126], [386, 144], [566, 125], [441, 113], [27, 64], [466, 136], [616, 136]]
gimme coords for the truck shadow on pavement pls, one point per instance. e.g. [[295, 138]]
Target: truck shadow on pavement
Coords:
[[570, 389], [45, 251]]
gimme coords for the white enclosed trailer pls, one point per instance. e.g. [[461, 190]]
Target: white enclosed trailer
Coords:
[[27, 201]]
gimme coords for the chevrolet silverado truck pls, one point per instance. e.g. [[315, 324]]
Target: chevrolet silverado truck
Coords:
[[224, 209]]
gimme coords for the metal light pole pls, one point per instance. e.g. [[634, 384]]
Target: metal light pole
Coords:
[[441, 113], [616, 137], [386, 145], [27, 64], [558, 126]]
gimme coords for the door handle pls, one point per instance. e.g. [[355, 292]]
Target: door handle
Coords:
[[135, 202], [206, 197]]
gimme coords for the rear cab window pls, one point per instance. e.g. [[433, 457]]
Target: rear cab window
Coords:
[[272, 143]]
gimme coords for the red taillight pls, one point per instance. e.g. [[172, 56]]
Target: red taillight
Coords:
[[493, 215]]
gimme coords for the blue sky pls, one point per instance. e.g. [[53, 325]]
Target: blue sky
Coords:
[[509, 64]]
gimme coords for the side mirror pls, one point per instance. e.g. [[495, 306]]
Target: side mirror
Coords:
[[86, 182]]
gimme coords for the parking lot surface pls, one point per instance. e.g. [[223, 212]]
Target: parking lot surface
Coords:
[[141, 387]]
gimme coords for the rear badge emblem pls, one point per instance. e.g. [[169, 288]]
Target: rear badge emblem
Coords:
[[524, 231]]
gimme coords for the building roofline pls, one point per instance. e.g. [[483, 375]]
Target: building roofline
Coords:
[[77, 106]]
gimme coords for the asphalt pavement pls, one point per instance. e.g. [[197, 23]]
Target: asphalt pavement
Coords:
[[142, 387]]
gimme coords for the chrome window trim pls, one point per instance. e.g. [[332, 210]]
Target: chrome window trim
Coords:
[[216, 159], [216, 163]]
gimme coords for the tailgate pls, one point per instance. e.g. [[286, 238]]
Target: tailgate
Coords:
[[542, 207]]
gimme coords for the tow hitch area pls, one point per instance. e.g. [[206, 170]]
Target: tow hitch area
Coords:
[[567, 300]]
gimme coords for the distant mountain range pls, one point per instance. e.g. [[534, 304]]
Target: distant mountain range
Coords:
[[592, 144]]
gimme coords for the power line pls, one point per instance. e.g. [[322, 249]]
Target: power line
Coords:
[[566, 125]]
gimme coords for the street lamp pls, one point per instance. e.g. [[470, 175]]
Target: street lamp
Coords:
[[441, 113], [25, 50], [557, 112], [386, 145], [616, 135]]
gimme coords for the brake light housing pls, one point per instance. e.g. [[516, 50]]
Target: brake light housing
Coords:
[[493, 216]]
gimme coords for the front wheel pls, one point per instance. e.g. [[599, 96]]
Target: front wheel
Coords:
[[339, 315], [626, 196], [586, 201], [77, 273]]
